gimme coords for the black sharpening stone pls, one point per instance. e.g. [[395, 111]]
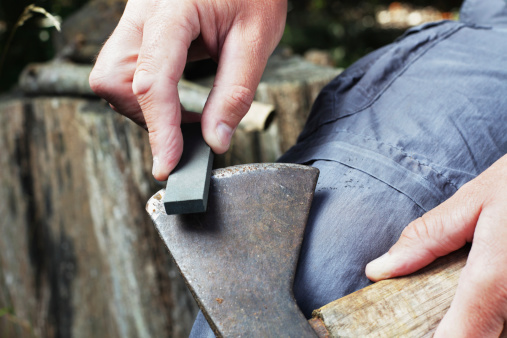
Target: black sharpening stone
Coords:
[[188, 184]]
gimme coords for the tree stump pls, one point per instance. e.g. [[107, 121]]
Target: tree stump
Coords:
[[79, 256], [292, 84]]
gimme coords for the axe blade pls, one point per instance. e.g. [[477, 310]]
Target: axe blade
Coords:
[[239, 257]]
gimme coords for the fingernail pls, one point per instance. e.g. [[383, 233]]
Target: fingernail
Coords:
[[224, 134], [156, 166], [380, 268]]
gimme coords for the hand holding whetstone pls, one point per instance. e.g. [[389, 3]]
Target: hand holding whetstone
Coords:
[[188, 184]]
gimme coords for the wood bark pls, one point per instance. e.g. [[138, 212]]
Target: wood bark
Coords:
[[292, 84], [289, 85], [79, 256]]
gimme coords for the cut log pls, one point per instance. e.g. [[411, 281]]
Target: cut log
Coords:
[[56, 78], [292, 84], [78, 255], [289, 85], [67, 78]]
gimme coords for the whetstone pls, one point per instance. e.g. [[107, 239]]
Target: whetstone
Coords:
[[188, 184]]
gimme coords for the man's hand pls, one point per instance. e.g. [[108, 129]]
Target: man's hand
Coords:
[[477, 213], [138, 69]]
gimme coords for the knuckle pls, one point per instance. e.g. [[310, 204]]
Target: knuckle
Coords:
[[416, 230], [130, 26], [432, 226], [157, 125], [146, 62], [98, 83], [474, 188], [106, 80], [168, 142], [146, 102], [426, 230], [184, 24], [180, 20], [155, 4], [239, 101], [143, 84], [148, 71]]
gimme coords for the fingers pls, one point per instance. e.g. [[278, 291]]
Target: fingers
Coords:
[[138, 70], [444, 229], [162, 58], [476, 212], [479, 308], [111, 77], [242, 57], [240, 68], [438, 232]]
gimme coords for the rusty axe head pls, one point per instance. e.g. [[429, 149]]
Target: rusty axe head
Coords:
[[239, 257]]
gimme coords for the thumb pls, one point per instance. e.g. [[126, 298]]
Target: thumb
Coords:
[[437, 233], [240, 68]]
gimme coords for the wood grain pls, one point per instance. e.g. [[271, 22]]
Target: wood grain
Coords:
[[79, 256], [409, 306]]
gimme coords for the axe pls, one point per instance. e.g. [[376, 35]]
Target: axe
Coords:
[[239, 257]]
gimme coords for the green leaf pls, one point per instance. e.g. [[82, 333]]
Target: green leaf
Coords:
[[6, 311]]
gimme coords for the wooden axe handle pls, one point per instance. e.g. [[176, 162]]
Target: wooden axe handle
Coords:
[[405, 306]]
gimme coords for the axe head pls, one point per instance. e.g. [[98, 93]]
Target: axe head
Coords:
[[239, 257]]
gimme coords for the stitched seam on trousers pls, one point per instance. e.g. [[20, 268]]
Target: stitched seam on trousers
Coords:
[[404, 153], [373, 176], [357, 157]]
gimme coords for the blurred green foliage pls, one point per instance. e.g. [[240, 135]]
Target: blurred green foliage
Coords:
[[31, 42], [346, 28]]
